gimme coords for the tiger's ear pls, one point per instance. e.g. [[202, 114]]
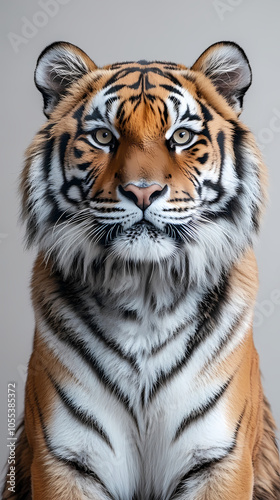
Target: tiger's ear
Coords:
[[58, 66], [226, 64]]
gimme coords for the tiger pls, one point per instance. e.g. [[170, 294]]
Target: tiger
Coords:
[[143, 193]]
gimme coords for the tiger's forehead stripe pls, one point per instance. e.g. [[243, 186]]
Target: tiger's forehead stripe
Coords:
[[162, 93]]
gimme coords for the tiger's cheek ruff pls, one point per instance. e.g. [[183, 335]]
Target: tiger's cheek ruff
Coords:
[[144, 194]]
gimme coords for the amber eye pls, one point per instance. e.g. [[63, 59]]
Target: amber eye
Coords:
[[103, 136], [181, 137]]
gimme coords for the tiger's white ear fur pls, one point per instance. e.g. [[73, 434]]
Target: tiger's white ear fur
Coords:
[[58, 66], [226, 64]]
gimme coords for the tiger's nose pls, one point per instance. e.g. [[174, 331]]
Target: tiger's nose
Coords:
[[142, 196]]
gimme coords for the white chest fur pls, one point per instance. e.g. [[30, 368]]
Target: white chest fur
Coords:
[[139, 396]]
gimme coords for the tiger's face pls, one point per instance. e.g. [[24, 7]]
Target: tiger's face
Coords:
[[141, 161]]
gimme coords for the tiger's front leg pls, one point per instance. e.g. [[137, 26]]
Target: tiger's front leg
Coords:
[[54, 475], [52, 480], [228, 481]]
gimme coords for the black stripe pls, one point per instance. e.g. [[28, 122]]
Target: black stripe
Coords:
[[203, 159], [171, 89], [134, 98], [189, 78], [173, 78], [196, 170], [206, 134], [86, 141], [201, 410], [69, 336], [48, 151], [118, 65], [56, 212], [122, 73], [84, 166], [28, 211], [109, 104], [118, 75], [78, 413], [179, 295], [78, 115], [137, 84], [221, 144], [147, 84], [231, 212], [240, 137], [205, 464], [174, 335], [95, 115], [78, 153], [63, 142], [79, 309], [114, 89], [217, 186], [65, 190], [206, 113], [176, 103], [120, 111], [75, 464], [151, 97], [165, 110], [188, 116], [226, 338], [210, 307], [188, 194], [45, 130]]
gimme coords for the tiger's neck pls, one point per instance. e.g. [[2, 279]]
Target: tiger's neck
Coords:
[[142, 309], [145, 287]]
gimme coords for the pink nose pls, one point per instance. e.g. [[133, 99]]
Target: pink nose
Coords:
[[143, 196]]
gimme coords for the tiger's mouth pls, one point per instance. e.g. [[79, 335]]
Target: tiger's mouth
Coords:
[[142, 229]]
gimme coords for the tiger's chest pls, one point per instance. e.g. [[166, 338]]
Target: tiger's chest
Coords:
[[139, 430], [142, 457]]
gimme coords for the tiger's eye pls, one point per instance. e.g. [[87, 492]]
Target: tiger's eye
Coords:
[[182, 136], [103, 136]]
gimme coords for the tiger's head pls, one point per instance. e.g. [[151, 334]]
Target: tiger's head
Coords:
[[143, 161]]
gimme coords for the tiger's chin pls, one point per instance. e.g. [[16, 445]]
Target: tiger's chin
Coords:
[[143, 243]]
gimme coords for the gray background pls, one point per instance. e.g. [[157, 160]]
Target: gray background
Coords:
[[111, 31]]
